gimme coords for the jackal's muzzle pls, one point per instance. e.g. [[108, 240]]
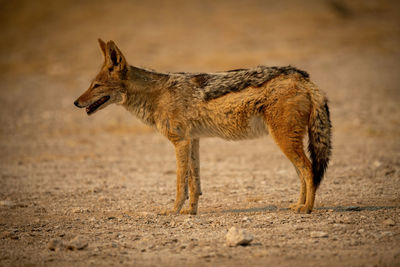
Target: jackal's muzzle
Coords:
[[94, 106]]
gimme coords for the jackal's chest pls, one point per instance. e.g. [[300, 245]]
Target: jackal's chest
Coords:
[[230, 128]]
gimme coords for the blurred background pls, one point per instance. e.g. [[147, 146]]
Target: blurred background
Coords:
[[52, 154], [49, 51]]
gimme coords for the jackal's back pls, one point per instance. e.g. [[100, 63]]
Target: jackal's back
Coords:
[[213, 85]]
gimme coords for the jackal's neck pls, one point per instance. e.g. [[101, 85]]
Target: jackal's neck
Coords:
[[145, 79], [143, 88]]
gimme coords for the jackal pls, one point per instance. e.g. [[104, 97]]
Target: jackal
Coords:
[[234, 105]]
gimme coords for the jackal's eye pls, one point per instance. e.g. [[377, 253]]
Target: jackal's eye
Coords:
[[96, 85]]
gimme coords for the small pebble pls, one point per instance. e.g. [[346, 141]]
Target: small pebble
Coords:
[[55, 244], [236, 237], [77, 243], [318, 234], [389, 222], [7, 203]]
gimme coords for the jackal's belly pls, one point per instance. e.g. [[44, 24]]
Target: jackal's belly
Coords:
[[230, 128]]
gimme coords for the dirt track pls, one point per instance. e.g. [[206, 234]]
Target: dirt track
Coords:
[[106, 177]]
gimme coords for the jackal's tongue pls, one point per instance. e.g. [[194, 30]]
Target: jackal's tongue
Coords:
[[92, 108]]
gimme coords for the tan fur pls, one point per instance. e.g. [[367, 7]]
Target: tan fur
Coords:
[[185, 107]]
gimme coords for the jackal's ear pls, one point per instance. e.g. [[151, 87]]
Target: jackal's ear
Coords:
[[115, 61], [102, 46]]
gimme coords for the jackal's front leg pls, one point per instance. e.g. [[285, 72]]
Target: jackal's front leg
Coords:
[[182, 150], [194, 178]]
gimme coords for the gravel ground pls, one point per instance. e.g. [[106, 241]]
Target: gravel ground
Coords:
[[78, 190]]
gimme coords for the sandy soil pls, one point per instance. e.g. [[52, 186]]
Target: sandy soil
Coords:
[[106, 177]]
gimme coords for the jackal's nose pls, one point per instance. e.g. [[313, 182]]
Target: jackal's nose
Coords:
[[76, 103]]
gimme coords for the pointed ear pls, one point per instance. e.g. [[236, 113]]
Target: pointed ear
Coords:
[[115, 61], [102, 46]]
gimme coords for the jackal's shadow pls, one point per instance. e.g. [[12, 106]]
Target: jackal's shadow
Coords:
[[272, 208]]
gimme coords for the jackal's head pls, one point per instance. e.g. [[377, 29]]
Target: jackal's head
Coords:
[[108, 86]]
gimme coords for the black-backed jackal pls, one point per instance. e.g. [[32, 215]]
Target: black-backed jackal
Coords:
[[234, 105]]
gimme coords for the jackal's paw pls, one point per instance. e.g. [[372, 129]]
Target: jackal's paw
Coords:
[[169, 212], [300, 208], [189, 211]]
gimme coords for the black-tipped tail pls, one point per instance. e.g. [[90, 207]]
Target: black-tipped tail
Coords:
[[319, 144]]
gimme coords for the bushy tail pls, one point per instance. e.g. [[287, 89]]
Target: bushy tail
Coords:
[[319, 132]]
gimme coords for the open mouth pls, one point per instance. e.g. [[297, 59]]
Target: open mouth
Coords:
[[93, 107]]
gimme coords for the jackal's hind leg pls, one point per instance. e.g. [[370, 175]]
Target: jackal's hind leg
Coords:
[[194, 178], [295, 152], [288, 130], [307, 190], [303, 191]]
